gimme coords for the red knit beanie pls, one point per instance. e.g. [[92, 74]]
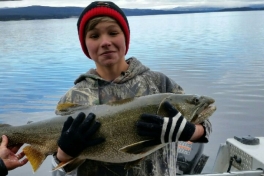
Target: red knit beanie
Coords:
[[102, 8]]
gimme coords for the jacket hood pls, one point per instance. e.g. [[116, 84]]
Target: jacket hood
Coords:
[[135, 68]]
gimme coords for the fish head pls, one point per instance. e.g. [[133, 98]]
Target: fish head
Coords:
[[194, 108]]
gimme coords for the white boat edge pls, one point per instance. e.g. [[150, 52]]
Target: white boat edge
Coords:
[[239, 156]]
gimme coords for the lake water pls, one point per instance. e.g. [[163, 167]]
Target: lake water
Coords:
[[215, 54]]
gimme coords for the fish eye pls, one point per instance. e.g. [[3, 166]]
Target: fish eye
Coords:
[[195, 100]]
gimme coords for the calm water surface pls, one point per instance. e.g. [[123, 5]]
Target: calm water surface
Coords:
[[215, 54]]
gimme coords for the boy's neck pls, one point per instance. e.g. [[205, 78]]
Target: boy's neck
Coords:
[[112, 72]]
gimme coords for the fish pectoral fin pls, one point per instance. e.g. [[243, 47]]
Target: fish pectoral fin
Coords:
[[71, 165], [34, 156], [133, 164], [140, 147], [74, 164]]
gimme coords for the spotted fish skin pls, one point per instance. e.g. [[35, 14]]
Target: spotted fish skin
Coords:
[[118, 121]]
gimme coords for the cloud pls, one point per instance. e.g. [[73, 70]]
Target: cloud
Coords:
[[134, 3], [10, 0]]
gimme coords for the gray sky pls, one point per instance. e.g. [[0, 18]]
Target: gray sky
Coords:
[[155, 4]]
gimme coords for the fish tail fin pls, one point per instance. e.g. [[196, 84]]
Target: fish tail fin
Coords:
[[140, 147], [34, 156]]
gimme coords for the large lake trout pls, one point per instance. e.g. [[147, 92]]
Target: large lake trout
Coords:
[[118, 127]]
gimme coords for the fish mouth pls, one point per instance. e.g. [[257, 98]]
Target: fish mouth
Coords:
[[207, 111], [203, 113]]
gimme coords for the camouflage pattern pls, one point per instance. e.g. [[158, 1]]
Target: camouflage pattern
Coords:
[[138, 80]]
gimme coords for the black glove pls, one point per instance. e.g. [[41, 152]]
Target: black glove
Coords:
[[166, 129], [76, 135]]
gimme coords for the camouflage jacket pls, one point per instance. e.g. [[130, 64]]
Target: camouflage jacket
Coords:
[[138, 80]]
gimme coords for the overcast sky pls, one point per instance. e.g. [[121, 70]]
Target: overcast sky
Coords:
[[134, 3]]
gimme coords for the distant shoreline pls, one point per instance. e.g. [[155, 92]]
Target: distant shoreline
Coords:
[[44, 12], [18, 18]]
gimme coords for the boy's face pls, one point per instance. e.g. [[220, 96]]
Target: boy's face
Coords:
[[106, 44]]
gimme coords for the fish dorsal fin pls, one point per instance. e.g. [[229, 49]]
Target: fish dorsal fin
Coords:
[[66, 105], [140, 147], [119, 102], [71, 165], [34, 156]]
